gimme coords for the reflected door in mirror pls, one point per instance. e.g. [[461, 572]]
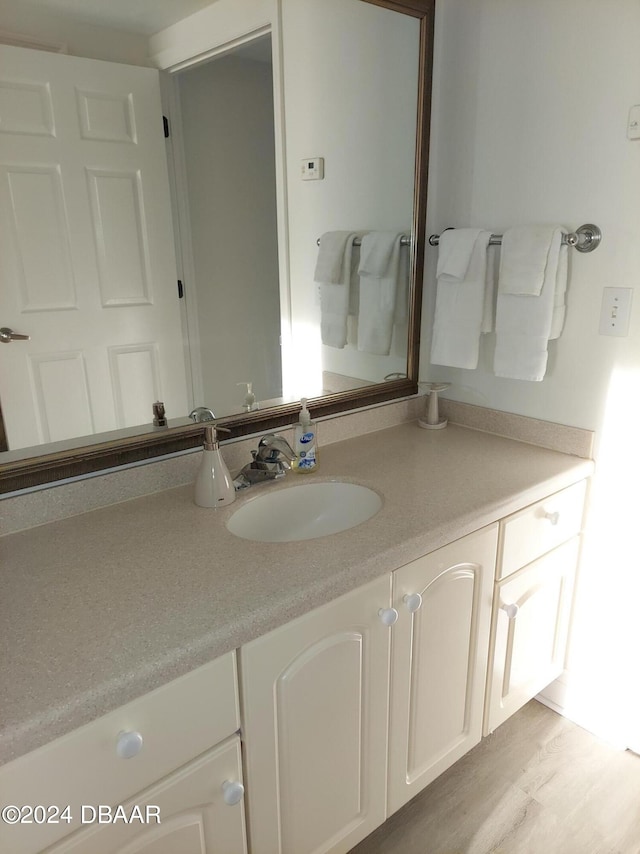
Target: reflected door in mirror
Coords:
[[86, 258]]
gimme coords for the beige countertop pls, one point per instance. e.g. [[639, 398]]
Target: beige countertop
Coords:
[[103, 607]]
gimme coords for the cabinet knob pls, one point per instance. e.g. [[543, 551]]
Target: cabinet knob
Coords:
[[388, 616], [511, 610], [413, 602], [128, 744], [233, 792], [554, 517]]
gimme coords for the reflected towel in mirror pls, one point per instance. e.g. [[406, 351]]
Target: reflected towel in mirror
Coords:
[[379, 287], [333, 274]]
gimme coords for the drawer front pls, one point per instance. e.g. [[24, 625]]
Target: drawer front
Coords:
[[177, 722], [534, 531]]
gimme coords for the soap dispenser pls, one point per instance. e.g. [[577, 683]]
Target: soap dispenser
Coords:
[[250, 399], [214, 485], [305, 442]]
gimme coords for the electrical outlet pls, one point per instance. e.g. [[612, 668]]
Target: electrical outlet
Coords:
[[615, 312]]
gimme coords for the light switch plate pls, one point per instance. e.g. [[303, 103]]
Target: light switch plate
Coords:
[[615, 312]]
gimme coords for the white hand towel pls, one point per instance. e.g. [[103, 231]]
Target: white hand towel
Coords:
[[525, 323], [523, 260], [379, 268], [460, 297], [333, 273]]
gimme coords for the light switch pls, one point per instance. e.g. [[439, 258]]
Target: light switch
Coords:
[[633, 125], [615, 312], [313, 169]]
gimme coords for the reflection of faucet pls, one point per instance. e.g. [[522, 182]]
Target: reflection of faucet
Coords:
[[270, 462], [202, 413]]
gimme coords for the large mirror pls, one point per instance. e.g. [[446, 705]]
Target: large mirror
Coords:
[[192, 270]]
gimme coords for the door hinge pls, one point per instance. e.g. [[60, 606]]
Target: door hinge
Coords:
[[165, 122], [180, 289]]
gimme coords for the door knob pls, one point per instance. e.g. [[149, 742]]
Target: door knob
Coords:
[[128, 744], [388, 616], [233, 792], [8, 335], [412, 602]]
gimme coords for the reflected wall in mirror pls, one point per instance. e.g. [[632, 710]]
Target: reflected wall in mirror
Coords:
[[354, 92]]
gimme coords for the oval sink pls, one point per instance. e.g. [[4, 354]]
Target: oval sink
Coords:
[[304, 512]]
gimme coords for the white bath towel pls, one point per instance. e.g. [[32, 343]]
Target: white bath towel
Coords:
[[461, 312], [333, 274], [526, 322], [379, 272]]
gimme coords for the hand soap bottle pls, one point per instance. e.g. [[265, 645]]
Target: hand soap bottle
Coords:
[[305, 442], [214, 485]]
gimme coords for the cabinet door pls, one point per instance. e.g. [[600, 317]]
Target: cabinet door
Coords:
[[315, 705], [194, 816], [531, 612], [439, 660]]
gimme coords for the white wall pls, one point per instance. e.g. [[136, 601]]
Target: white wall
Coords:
[[227, 122], [350, 87], [80, 39], [529, 125]]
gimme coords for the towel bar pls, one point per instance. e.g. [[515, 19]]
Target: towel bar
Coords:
[[404, 240], [584, 239]]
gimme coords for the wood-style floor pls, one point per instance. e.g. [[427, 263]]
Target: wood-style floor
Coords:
[[538, 785]]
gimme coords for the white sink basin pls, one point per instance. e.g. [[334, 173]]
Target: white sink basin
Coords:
[[304, 512]]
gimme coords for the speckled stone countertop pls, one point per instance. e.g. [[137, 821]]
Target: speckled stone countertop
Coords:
[[103, 607]]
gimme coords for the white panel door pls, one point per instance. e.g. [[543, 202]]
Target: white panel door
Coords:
[[315, 696], [530, 628], [87, 264], [439, 660]]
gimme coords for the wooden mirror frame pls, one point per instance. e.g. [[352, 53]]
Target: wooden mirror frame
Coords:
[[57, 465]]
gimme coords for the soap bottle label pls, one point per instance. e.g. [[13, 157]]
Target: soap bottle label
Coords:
[[306, 451]]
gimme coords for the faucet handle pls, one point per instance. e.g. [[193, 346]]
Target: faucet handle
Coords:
[[272, 446]]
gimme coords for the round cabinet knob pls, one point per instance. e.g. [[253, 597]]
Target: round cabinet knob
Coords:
[[554, 517], [511, 610], [388, 616], [413, 602], [128, 744], [233, 792]]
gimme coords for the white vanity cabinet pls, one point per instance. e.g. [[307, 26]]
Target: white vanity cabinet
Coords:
[[320, 751], [173, 748], [439, 660], [315, 717], [538, 556]]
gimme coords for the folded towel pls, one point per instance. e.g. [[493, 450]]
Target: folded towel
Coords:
[[460, 313], [525, 323], [333, 273], [523, 261], [379, 269]]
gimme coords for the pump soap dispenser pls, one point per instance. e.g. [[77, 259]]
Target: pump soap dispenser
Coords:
[[214, 485], [305, 442]]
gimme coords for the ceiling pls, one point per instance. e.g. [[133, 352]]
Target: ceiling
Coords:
[[138, 16]]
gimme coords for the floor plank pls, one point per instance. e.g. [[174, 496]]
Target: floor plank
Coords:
[[538, 785]]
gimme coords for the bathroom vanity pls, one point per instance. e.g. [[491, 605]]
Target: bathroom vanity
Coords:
[[152, 655]]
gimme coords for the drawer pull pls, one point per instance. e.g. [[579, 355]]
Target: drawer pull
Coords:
[[388, 616], [128, 744], [511, 610], [554, 517], [413, 602], [233, 792]]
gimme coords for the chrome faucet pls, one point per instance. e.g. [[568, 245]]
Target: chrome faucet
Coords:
[[202, 413], [270, 462]]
